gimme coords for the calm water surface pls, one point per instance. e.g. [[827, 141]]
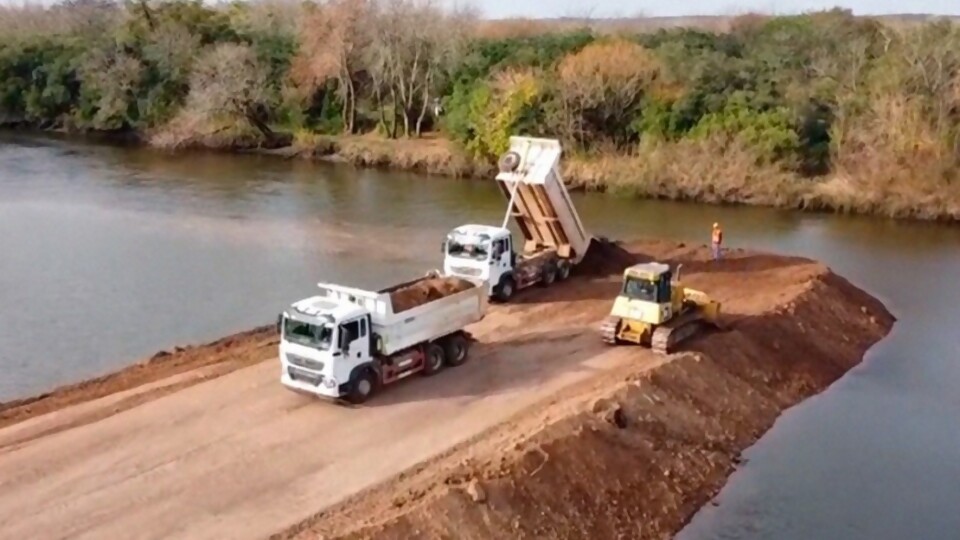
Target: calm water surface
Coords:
[[109, 254]]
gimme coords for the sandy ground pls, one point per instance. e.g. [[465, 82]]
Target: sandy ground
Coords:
[[219, 449]]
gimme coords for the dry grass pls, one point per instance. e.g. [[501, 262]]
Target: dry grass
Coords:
[[188, 131], [681, 171], [429, 155], [920, 191]]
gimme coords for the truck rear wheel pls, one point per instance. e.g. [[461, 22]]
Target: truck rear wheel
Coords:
[[549, 275], [362, 387], [456, 347], [563, 271], [433, 359]]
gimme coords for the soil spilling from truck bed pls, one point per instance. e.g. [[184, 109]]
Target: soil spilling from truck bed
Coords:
[[606, 257], [635, 453], [427, 290]]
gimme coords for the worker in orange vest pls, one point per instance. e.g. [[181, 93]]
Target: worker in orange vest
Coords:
[[717, 239]]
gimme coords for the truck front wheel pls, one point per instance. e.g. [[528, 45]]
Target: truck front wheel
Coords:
[[506, 289], [433, 359], [362, 387], [563, 271], [456, 350]]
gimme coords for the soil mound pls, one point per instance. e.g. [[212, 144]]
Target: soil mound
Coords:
[[605, 257], [427, 290], [639, 450]]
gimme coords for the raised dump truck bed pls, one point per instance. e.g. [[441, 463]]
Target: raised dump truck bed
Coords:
[[538, 199]]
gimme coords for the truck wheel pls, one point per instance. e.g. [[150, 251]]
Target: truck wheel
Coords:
[[549, 276], [362, 387], [563, 271], [506, 289], [456, 347], [433, 359]]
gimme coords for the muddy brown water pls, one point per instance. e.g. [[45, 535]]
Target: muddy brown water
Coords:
[[110, 254]]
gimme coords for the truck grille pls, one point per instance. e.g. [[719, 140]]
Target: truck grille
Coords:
[[466, 271], [305, 376], [307, 363]]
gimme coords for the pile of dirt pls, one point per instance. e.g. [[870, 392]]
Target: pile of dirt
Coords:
[[605, 257], [638, 451], [427, 290]]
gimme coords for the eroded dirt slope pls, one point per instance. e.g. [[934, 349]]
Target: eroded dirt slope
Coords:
[[205, 442]]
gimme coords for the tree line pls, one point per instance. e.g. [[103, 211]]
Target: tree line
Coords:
[[813, 95]]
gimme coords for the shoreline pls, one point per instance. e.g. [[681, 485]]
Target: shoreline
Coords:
[[436, 155]]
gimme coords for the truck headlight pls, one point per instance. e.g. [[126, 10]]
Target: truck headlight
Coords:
[[330, 382]]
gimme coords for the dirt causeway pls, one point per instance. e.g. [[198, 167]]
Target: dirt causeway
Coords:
[[545, 433]]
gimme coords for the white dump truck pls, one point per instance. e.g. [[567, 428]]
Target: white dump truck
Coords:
[[554, 237], [347, 343]]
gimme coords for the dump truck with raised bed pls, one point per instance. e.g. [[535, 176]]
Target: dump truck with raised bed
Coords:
[[654, 309], [348, 343], [554, 237]]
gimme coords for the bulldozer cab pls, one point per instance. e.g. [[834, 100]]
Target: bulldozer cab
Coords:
[[647, 294], [647, 283]]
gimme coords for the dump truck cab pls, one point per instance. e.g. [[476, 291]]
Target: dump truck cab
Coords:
[[656, 310], [323, 342], [479, 252]]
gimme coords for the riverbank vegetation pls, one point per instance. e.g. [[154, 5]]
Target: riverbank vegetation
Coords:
[[823, 110]]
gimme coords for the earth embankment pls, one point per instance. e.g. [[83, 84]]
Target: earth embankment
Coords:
[[545, 432]]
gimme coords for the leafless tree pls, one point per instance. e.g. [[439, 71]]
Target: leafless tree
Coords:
[[412, 54], [228, 84], [335, 38]]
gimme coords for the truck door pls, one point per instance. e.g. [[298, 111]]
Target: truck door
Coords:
[[506, 258], [356, 343]]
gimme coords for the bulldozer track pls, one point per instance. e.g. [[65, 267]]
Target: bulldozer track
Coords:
[[608, 330], [669, 335]]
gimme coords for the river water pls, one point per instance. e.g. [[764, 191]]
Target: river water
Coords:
[[108, 254]]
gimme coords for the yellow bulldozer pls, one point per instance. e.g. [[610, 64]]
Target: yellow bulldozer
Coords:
[[656, 310]]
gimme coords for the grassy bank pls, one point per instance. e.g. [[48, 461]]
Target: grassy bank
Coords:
[[710, 172]]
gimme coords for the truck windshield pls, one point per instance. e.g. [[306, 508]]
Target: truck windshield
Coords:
[[640, 289], [476, 252], [309, 335]]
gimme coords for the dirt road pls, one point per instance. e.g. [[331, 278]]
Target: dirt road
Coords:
[[221, 453]]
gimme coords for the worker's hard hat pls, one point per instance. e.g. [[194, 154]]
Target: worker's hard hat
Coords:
[[716, 225]]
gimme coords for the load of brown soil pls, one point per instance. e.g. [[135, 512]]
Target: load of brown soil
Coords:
[[427, 290], [635, 453]]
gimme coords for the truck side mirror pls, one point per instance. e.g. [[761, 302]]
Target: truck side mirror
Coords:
[[279, 323]]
